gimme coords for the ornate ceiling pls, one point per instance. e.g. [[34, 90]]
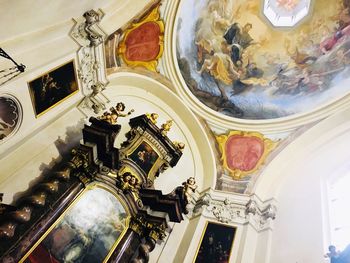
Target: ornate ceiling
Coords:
[[255, 78], [238, 61]]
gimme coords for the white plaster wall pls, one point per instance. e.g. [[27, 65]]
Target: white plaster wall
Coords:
[[37, 35], [298, 233], [21, 167], [296, 178]]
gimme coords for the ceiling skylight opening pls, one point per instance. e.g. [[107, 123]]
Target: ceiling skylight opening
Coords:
[[286, 13]]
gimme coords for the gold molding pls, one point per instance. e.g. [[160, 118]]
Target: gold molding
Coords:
[[203, 233], [79, 196], [153, 16], [31, 92], [156, 164], [269, 145]]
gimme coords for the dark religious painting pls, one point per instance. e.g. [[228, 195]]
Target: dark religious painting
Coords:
[[216, 244], [254, 59], [144, 156], [88, 232], [53, 87], [10, 116]]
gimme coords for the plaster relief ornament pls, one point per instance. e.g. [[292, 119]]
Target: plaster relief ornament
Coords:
[[10, 116], [114, 113], [242, 153]]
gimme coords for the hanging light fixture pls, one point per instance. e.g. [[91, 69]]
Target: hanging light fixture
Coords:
[[11, 72]]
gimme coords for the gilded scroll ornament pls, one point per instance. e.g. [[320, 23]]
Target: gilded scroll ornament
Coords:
[[143, 42], [242, 153]]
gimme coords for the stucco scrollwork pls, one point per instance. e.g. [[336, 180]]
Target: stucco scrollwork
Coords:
[[89, 37], [237, 209]]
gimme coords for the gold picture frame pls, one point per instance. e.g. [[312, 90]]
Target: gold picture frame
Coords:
[[151, 166], [61, 219], [210, 246], [53, 87]]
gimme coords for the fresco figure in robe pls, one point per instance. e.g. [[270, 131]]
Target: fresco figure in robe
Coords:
[[238, 64]]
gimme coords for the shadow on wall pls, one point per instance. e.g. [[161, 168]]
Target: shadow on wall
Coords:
[[64, 146]]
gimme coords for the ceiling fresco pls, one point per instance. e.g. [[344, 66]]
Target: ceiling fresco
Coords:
[[237, 62]]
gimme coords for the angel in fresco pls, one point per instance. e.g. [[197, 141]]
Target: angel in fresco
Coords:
[[209, 35], [304, 82], [329, 43], [341, 58], [220, 66], [301, 59], [222, 7]]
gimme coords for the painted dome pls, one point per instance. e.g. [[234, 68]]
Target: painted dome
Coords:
[[258, 60]]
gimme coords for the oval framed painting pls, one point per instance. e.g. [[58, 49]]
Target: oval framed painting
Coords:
[[10, 116]]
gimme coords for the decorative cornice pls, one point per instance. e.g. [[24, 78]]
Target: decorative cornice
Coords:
[[238, 209]]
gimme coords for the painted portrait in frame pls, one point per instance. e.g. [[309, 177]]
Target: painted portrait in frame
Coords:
[[144, 156], [88, 231], [53, 87], [216, 244]]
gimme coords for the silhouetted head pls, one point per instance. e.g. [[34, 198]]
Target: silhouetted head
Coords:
[[332, 248], [120, 106]]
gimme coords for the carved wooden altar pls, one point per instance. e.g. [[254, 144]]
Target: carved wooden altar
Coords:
[[29, 228]]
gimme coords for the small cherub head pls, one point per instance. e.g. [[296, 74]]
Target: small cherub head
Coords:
[[127, 176], [133, 180], [191, 181], [120, 106]]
